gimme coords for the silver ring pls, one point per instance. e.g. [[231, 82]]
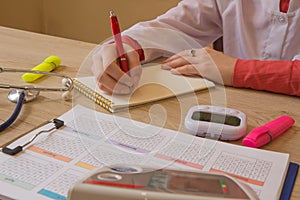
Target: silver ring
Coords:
[[193, 53]]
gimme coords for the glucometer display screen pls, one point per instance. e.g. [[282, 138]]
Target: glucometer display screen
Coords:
[[196, 185], [189, 184], [216, 118]]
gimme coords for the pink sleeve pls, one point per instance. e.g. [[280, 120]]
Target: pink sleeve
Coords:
[[280, 76]]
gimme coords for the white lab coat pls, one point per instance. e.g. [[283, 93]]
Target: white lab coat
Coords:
[[251, 29]]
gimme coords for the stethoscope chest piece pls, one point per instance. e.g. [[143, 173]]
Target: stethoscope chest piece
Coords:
[[14, 95]]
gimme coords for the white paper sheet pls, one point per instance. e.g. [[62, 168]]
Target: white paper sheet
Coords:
[[90, 140]]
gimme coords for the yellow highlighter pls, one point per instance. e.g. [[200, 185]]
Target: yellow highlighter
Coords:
[[47, 65]]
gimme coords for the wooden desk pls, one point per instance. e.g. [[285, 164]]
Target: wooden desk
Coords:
[[25, 50]]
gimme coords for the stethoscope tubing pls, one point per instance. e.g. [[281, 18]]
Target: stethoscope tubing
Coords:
[[15, 113]]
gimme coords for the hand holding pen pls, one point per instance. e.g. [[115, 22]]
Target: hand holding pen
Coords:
[[119, 77]]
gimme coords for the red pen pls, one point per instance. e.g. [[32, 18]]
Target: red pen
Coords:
[[115, 28], [268, 132]]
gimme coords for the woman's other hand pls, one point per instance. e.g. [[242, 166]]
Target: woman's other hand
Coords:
[[206, 62]]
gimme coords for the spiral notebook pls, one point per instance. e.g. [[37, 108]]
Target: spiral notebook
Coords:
[[155, 84]]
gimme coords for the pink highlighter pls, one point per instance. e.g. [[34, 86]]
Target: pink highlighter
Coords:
[[268, 132]]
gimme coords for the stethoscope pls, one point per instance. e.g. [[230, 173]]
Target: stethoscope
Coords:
[[23, 94]]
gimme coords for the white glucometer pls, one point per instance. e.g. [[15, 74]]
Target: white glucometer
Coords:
[[132, 182], [216, 122]]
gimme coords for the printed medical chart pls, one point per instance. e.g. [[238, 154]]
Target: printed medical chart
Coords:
[[49, 167]]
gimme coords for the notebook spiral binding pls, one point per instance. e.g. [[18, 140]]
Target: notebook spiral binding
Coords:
[[91, 94]]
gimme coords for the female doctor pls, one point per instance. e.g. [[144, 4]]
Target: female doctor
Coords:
[[260, 45]]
